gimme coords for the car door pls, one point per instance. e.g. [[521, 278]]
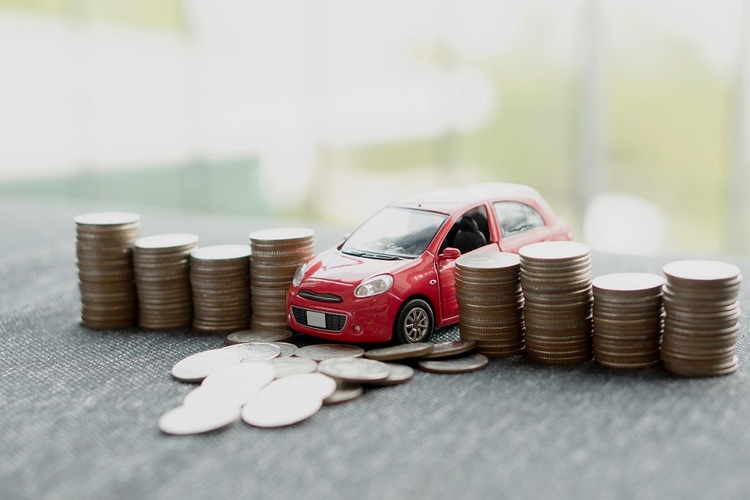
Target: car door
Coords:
[[446, 264], [520, 224]]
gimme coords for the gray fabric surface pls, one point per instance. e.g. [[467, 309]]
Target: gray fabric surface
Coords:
[[80, 408]]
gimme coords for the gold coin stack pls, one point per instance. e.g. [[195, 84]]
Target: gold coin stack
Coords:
[[104, 245], [700, 328], [220, 281], [628, 320], [275, 256], [163, 282], [556, 283], [490, 302]]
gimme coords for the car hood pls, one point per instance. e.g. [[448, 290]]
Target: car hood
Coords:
[[337, 267]]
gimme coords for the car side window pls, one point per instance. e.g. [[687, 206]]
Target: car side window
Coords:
[[515, 217], [469, 232]]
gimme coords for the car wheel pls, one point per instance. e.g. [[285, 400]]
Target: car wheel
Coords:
[[415, 322]]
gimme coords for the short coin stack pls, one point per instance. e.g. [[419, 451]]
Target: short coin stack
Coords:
[[220, 282], [104, 245], [700, 329], [556, 281], [490, 301], [276, 255], [628, 320], [162, 278]]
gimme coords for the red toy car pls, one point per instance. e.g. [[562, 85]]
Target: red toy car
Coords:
[[394, 275]]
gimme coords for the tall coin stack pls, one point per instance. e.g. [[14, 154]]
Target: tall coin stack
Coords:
[[490, 302], [162, 278], [104, 245], [275, 256], [220, 281], [628, 320], [556, 282], [700, 329]]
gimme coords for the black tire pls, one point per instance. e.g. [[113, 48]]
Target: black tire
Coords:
[[414, 322]]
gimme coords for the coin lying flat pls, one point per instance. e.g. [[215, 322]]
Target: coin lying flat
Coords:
[[198, 366], [344, 392], [259, 336], [310, 383], [320, 352], [281, 410], [249, 374], [354, 369], [287, 349], [403, 351], [450, 348], [255, 351], [197, 419], [286, 367], [463, 364], [221, 394], [397, 374]]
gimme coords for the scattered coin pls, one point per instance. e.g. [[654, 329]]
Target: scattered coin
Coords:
[[255, 351], [249, 374], [320, 352], [450, 348], [470, 363], [221, 394], [280, 335], [293, 366], [197, 419], [287, 349], [344, 392], [403, 351], [281, 409], [310, 383], [198, 366], [354, 369], [397, 374]]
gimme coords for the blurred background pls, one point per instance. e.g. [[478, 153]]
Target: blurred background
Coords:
[[631, 117]]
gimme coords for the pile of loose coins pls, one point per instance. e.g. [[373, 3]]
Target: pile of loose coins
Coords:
[[556, 283], [268, 382], [162, 278], [702, 312], [220, 281], [628, 320], [275, 256], [104, 244], [490, 300]]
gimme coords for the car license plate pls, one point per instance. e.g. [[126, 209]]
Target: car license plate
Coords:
[[316, 319]]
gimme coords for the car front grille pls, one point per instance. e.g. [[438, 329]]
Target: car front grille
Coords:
[[320, 297], [334, 322]]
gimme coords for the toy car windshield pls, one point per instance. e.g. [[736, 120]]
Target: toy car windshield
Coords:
[[394, 233]]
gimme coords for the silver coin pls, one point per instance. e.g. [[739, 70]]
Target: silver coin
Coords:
[[463, 364], [403, 351], [221, 394], [286, 367], [398, 374], [309, 383], [249, 374], [281, 409], [258, 336], [354, 369], [451, 348], [221, 252], [200, 365], [255, 351], [319, 352], [197, 419], [344, 392], [287, 349]]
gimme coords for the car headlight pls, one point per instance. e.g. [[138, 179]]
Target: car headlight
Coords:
[[298, 275], [374, 286]]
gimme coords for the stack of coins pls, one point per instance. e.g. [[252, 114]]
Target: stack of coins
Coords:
[[490, 302], [556, 282], [104, 244], [628, 320], [220, 281], [700, 329], [275, 256], [162, 278]]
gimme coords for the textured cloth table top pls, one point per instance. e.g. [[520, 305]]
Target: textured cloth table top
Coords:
[[80, 407]]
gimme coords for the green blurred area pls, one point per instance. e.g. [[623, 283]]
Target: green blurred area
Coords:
[[158, 13]]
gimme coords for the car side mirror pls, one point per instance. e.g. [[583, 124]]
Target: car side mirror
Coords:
[[451, 253]]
